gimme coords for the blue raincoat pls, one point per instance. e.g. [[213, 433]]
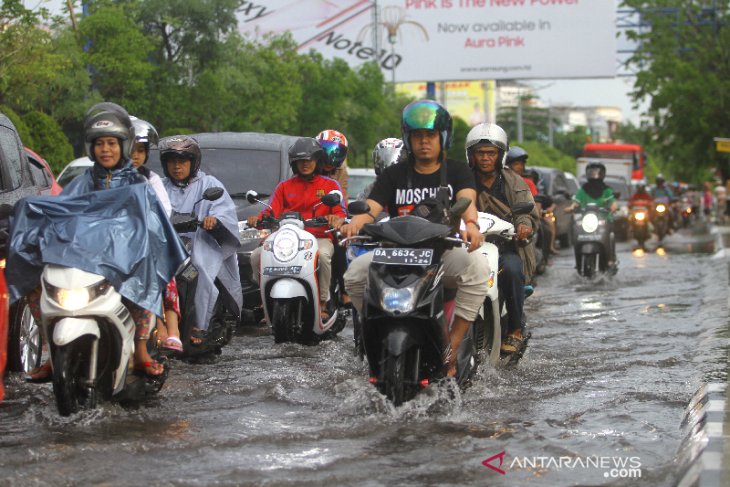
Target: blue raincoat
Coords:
[[121, 233], [210, 257]]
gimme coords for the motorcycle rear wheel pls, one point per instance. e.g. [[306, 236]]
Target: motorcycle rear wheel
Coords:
[[70, 370]]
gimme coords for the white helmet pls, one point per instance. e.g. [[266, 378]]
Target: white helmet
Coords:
[[488, 133], [387, 152]]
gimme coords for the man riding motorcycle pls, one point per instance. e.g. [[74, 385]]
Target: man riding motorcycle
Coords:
[[596, 191], [426, 130], [301, 193], [664, 194], [499, 188]]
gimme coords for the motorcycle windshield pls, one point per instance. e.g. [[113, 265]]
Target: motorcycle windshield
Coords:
[[122, 234], [407, 230]]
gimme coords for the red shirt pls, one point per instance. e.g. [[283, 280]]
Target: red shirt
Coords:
[[300, 195], [531, 185]]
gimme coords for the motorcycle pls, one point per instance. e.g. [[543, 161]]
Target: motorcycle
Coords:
[[660, 220], [492, 317], [686, 213], [542, 238], [595, 244], [288, 284], [406, 312], [225, 313], [639, 224]]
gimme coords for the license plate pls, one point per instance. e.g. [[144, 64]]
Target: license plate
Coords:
[[282, 271], [403, 256], [587, 236]]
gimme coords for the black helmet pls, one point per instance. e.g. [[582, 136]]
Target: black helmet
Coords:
[[426, 114], [108, 119], [182, 146], [595, 170], [660, 178], [516, 153], [306, 149]]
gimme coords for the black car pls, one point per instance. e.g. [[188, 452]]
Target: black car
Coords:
[[243, 161], [554, 184], [16, 182]]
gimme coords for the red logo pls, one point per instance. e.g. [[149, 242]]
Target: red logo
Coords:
[[487, 463]]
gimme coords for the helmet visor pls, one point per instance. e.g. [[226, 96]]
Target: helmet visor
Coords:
[[593, 173], [422, 115], [335, 152]]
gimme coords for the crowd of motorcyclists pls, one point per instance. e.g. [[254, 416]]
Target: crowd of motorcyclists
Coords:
[[413, 172]]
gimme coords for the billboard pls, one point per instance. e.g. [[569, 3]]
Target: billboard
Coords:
[[439, 40]]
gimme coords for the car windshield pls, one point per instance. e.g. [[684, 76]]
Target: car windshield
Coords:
[[356, 183], [238, 169], [69, 173]]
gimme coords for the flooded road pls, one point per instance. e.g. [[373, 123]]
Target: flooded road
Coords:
[[597, 400]]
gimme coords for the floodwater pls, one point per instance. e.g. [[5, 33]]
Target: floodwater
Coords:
[[597, 400]]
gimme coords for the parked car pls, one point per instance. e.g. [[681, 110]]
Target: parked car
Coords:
[[554, 183], [573, 183], [42, 174], [243, 161], [358, 179], [622, 191], [17, 181], [3, 331], [73, 169]]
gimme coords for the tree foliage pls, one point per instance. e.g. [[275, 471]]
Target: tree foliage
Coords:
[[50, 141], [684, 62]]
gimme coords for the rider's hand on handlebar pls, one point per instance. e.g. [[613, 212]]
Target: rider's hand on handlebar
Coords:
[[209, 222], [335, 221], [252, 221], [523, 232], [472, 235], [349, 230]]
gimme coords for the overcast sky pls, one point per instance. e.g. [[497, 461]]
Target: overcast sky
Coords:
[[575, 92]]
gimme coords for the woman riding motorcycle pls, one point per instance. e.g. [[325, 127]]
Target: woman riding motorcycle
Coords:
[[215, 243]]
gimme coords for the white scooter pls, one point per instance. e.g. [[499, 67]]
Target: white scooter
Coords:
[[288, 281], [91, 338], [489, 337]]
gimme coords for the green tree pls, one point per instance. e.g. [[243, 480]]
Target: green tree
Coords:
[[50, 141], [684, 63]]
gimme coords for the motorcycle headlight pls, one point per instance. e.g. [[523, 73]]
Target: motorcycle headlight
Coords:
[[286, 245], [589, 223], [661, 208], [639, 216], [74, 299], [397, 300]]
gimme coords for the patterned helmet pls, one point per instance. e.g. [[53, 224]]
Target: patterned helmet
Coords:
[[334, 144], [387, 152]]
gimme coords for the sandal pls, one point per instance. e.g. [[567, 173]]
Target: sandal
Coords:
[[173, 343], [512, 344], [39, 375], [197, 336], [149, 368]]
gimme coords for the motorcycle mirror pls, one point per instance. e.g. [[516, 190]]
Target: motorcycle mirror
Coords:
[[458, 208], [617, 195], [213, 193], [523, 208], [252, 196], [332, 198], [358, 207]]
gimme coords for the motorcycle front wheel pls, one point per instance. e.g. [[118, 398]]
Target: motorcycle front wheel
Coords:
[[286, 320], [400, 374], [70, 377]]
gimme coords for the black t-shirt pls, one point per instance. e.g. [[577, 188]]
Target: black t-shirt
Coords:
[[391, 188]]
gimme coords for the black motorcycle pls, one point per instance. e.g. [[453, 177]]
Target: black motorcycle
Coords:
[[225, 317], [595, 244], [661, 220], [406, 312]]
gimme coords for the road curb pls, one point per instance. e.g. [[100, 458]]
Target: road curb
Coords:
[[705, 437]]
